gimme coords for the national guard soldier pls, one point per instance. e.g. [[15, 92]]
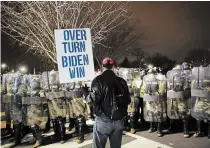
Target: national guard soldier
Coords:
[[137, 85], [56, 103], [37, 109], [154, 97], [178, 95], [77, 108], [127, 75], [16, 112], [6, 93], [200, 92]]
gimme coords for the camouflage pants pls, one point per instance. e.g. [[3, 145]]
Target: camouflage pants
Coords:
[[77, 107], [133, 107], [17, 112], [155, 111], [178, 108], [201, 108], [58, 107], [5, 111], [37, 114]]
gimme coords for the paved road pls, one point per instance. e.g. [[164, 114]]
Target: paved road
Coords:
[[142, 139]]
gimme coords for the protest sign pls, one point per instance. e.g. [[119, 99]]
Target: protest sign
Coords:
[[74, 55]]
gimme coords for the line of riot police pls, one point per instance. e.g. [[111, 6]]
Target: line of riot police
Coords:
[[182, 93], [37, 101]]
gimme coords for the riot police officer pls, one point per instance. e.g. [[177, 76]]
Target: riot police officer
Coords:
[[58, 108], [77, 109], [178, 95], [154, 97], [37, 109], [200, 92], [17, 113], [131, 76]]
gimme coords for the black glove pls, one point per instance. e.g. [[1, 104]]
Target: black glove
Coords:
[[85, 90]]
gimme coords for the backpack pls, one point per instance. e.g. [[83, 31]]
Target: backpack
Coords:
[[121, 99]]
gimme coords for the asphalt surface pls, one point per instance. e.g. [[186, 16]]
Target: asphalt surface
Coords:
[[142, 139]]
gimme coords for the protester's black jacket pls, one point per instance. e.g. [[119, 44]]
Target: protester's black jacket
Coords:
[[104, 89]]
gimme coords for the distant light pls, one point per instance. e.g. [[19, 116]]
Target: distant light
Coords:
[[150, 66], [23, 69], [3, 65], [12, 70]]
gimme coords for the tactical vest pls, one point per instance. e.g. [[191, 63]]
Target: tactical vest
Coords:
[[201, 82]]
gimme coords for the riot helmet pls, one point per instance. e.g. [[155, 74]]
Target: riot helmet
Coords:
[[185, 65]]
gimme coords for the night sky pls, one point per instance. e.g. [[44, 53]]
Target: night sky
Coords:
[[171, 28]]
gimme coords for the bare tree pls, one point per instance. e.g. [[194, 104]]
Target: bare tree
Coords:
[[119, 42], [33, 23]]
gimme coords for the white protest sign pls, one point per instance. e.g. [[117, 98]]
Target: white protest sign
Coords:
[[74, 55]]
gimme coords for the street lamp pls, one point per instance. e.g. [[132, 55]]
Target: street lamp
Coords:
[[3, 65], [23, 69]]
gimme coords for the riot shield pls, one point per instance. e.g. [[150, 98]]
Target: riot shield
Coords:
[[57, 102], [20, 90], [75, 101], [178, 94], [126, 74], [6, 95], [200, 92], [154, 97], [35, 103]]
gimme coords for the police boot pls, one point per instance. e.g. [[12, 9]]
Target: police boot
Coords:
[[159, 130], [209, 130], [55, 127], [62, 128], [17, 135], [36, 131], [199, 132], [186, 132], [152, 128], [132, 120], [80, 126]]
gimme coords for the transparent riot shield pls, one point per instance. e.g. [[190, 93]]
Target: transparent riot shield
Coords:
[[6, 95], [75, 101], [57, 102], [154, 88], [200, 92], [35, 103], [45, 81], [20, 91], [178, 94], [126, 74]]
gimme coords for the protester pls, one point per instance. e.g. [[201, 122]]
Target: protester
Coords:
[[110, 98]]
